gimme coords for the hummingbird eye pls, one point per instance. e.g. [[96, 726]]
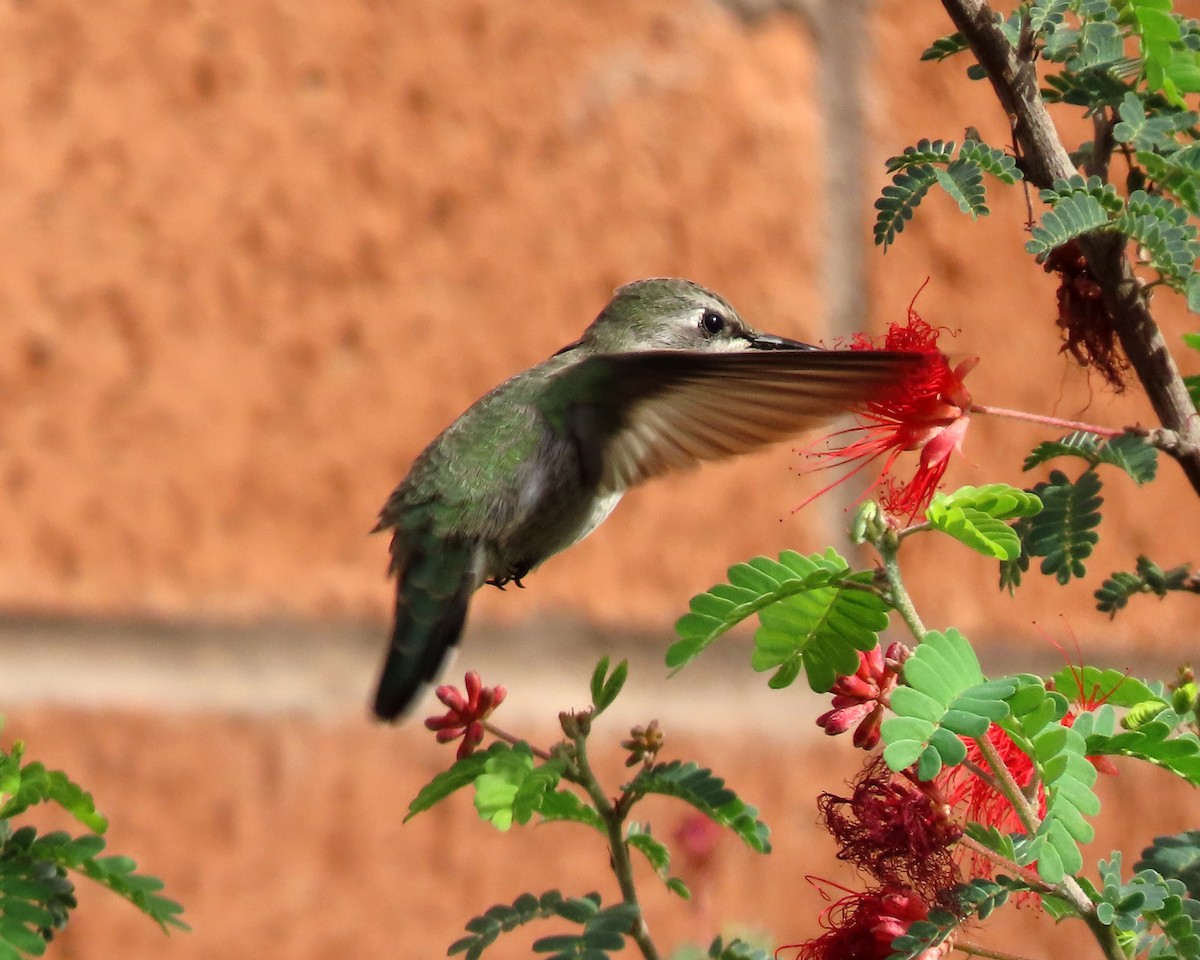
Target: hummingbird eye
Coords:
[[712, 322]]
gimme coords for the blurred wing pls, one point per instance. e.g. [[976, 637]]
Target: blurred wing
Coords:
[[648, 412]]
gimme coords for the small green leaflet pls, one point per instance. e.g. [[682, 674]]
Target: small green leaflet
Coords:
[[706, 792], [975, 516]]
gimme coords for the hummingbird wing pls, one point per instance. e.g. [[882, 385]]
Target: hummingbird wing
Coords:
[[637, 415]]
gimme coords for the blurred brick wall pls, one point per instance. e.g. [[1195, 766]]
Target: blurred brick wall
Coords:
[[258, 254]]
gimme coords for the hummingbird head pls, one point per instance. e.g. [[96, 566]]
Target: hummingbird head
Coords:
[[673, 314]]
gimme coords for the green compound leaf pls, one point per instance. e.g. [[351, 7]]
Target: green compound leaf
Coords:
[[699, 787], [945, 47], [944, 696], [656, 853], [811, 617], [1149, 900], [925, 152], [464, 772], [975, 516], [1170, 66], [564, 805], [119, 874], [975, 899], [1064, 532], [991, 160], [1133, 454], [485, 928], [899, 199], [1154, 742], [1148, 132], [34, 784], [1100, 45], [752, 586], [1162, 231], [1071, 217], [1177, 857], [821, 629], [510, 788], [1115, 592], [1060, 755], [1047, 14], [934, 161], [603, 934], [963, 180], [1127, 451], [36, 898], [1177, 172]]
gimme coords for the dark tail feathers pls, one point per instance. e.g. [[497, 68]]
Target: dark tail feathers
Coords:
[[432, 598]]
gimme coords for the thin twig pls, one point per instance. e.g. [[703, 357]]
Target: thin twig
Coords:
[[1029, 876], [1044, 160], [507, 737], [1070, 890], [974, 950], [1048, 421], [613, 817]]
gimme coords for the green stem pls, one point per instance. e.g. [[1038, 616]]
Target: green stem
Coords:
[[974, 950], [888, 545], [507, 737], [1024, 873], [1046, 421], [1070, 890], [613, 816]]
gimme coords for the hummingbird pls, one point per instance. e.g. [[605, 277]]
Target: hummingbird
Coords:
[[666, 376]]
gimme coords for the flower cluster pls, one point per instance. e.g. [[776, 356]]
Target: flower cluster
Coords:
[[861, 697], [896, 829], [466, 714], [643, 744], [899, 832], [862, 926]]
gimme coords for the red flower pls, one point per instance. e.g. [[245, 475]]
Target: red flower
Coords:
[[984, 804], [1086, 699], [861, 697], [896, 829], [466, 714], [862, 926], [929, 411]]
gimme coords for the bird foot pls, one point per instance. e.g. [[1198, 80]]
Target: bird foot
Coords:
[[513, 576]]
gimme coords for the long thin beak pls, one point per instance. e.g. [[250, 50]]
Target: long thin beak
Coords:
[[767, 341]]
